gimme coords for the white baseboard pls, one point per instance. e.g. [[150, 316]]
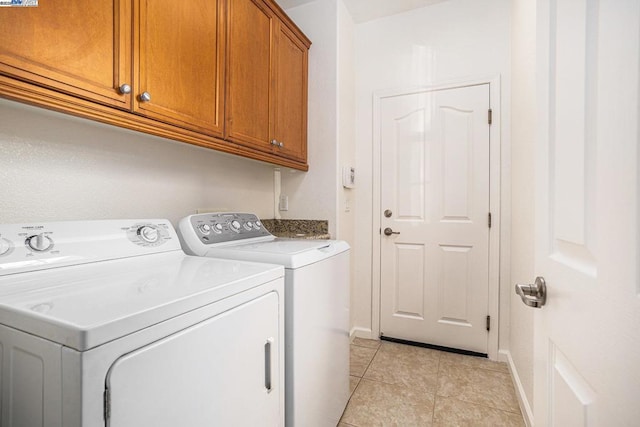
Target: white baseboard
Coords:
[[361, 333], [525, 407]]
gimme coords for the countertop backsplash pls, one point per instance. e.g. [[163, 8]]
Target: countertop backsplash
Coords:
[[298, 228]]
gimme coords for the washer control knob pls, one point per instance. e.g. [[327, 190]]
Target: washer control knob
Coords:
[[217, 228], [204, 228], [235, 225], [249, 225], [39, 242], [5, 246], [257, 224], [148, 234]]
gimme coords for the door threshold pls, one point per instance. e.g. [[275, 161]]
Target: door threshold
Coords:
[[435, 347]]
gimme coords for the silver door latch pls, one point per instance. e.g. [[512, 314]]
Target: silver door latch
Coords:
[[388, 232], [533, 295]]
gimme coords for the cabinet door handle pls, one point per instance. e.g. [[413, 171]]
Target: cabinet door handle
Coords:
[[280, 144], [274, 142], [267, 364], [124, 89], [145, 97]]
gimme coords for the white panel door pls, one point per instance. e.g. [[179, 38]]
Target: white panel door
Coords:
[[435, 189], [587, 337], [223, 371]]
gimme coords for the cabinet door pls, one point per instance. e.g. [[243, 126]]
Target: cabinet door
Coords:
[[249, 96], [291, 95], [179, 62], [82, 48], [216, 373]]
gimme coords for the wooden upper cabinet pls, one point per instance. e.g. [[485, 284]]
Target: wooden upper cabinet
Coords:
[[82, 48], [266, 80], [224, 74], [249, 103], [179, 62], [290, 129]]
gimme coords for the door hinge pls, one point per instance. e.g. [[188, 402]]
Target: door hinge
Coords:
[[490, 116], [107, 404], [488, 323], [489, 220]]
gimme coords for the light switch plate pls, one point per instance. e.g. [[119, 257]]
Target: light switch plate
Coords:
[[283, 205], [349, 177]]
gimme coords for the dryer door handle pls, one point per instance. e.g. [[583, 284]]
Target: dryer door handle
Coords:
[[267, 365]]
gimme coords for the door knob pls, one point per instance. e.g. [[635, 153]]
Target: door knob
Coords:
[[533, 295], [389, 232], [388, 213]]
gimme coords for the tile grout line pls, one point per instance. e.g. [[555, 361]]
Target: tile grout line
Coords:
[[369, 364], [360, 378], [435, 393]]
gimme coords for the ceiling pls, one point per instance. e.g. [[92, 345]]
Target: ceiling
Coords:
[[367, 10]]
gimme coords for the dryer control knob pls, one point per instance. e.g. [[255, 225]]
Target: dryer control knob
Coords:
[[39, 242], [148, 233], [217, 228], [257, 224], [235, 225], [5, 246]]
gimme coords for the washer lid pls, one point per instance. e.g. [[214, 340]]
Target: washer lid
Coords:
[[88, 305], [291, 253]]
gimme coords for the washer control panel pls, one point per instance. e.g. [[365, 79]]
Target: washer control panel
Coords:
[[225, 227], [28, 247]]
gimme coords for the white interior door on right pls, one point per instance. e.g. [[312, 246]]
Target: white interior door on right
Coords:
[[434, 267], [587, 336]]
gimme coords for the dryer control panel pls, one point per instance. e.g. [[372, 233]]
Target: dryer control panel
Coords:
[[39, 246], [221, 227]]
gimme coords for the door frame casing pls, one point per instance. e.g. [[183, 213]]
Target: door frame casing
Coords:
[[495, 168]]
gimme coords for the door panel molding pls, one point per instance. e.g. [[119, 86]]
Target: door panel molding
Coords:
[[572, 132], [575, 391], [407, 302], [494, 82]]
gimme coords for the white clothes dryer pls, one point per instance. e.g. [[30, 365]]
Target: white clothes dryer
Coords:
[[316, 307], [110, 323]]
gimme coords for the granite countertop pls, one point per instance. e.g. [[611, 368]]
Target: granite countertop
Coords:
[[294, 235], [298, 228]]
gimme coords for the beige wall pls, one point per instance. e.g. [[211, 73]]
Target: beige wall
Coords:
[[346, 132], [56, 167], [313, 195], [523, 116], [318, 194]]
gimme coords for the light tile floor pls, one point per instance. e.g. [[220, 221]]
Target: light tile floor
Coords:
[[400, 385]]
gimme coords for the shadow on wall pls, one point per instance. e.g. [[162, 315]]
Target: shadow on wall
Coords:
[[57, 167]]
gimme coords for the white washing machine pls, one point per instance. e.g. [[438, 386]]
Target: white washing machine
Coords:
[[110, 323], [316, 307]]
